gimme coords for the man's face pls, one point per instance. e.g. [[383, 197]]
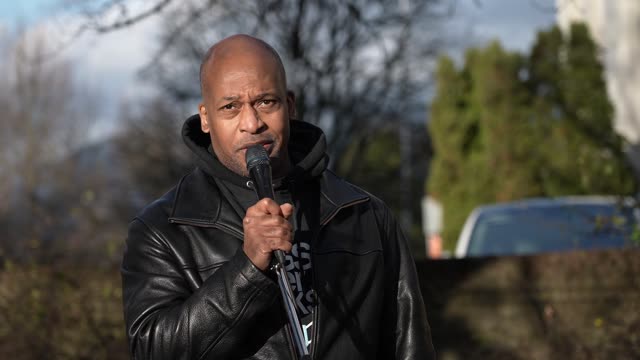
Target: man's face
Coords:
[[246, 103]]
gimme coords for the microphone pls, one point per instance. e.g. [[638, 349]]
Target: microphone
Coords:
[[260, 173]]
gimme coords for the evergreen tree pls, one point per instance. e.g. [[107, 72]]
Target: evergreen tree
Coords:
[[508, 126]]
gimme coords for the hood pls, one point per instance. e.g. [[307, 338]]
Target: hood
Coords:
[[307, 151]]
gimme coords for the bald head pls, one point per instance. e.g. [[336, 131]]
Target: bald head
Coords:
[[245, 102], [234, 48]]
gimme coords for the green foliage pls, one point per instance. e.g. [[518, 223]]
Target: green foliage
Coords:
[[61, 313], [375, 163], [508, 126]]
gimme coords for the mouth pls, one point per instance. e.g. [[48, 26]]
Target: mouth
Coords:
[[266, 144]]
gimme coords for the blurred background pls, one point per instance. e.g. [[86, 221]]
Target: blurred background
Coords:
[[527, 111]]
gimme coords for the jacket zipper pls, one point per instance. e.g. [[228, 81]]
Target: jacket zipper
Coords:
[[289, 341], [314, 341]]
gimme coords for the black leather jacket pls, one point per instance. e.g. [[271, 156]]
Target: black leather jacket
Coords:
[[191, 293]]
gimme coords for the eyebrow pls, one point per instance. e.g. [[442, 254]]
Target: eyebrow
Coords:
[[231, 98], [265, 94], [258, 97]]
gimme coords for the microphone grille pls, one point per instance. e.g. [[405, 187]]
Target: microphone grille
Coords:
[[256, 155]]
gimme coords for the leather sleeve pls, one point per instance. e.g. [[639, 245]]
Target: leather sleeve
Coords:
[[166, 319], [405, 311]]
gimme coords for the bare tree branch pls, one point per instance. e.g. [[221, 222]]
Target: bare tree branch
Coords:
[[353, 64], [99, 19]]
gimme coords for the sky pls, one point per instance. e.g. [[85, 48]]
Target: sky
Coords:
[[26, 10], [110, 63]]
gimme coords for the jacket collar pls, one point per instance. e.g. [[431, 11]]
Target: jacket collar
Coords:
[[198, 202], [337, 194]]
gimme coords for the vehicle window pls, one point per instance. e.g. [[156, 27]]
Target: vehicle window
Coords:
[[554, 228]]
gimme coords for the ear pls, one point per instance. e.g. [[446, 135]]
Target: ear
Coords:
[[204, 120], [291, 104]]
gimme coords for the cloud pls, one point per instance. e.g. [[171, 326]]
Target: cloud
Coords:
[[106, 63], [113, 60]]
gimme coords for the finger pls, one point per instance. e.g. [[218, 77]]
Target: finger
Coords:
[[269, 227], [285, 246], [287, 210], [279, 244], [276, 232], [266, 220], [264, 206]]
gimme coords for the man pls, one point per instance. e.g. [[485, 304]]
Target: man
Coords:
[[196, 277]]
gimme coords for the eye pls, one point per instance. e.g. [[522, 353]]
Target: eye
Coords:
[[266, 103], [232, 106]]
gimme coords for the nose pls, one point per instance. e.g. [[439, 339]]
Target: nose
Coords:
[[250, 120]]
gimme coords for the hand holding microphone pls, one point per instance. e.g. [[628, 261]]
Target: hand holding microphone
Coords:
[[266, 226], [266, 231]]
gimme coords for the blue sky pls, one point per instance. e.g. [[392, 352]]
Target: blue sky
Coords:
[[14, 11]]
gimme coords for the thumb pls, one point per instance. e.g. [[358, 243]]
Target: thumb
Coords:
[[287, 210]]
